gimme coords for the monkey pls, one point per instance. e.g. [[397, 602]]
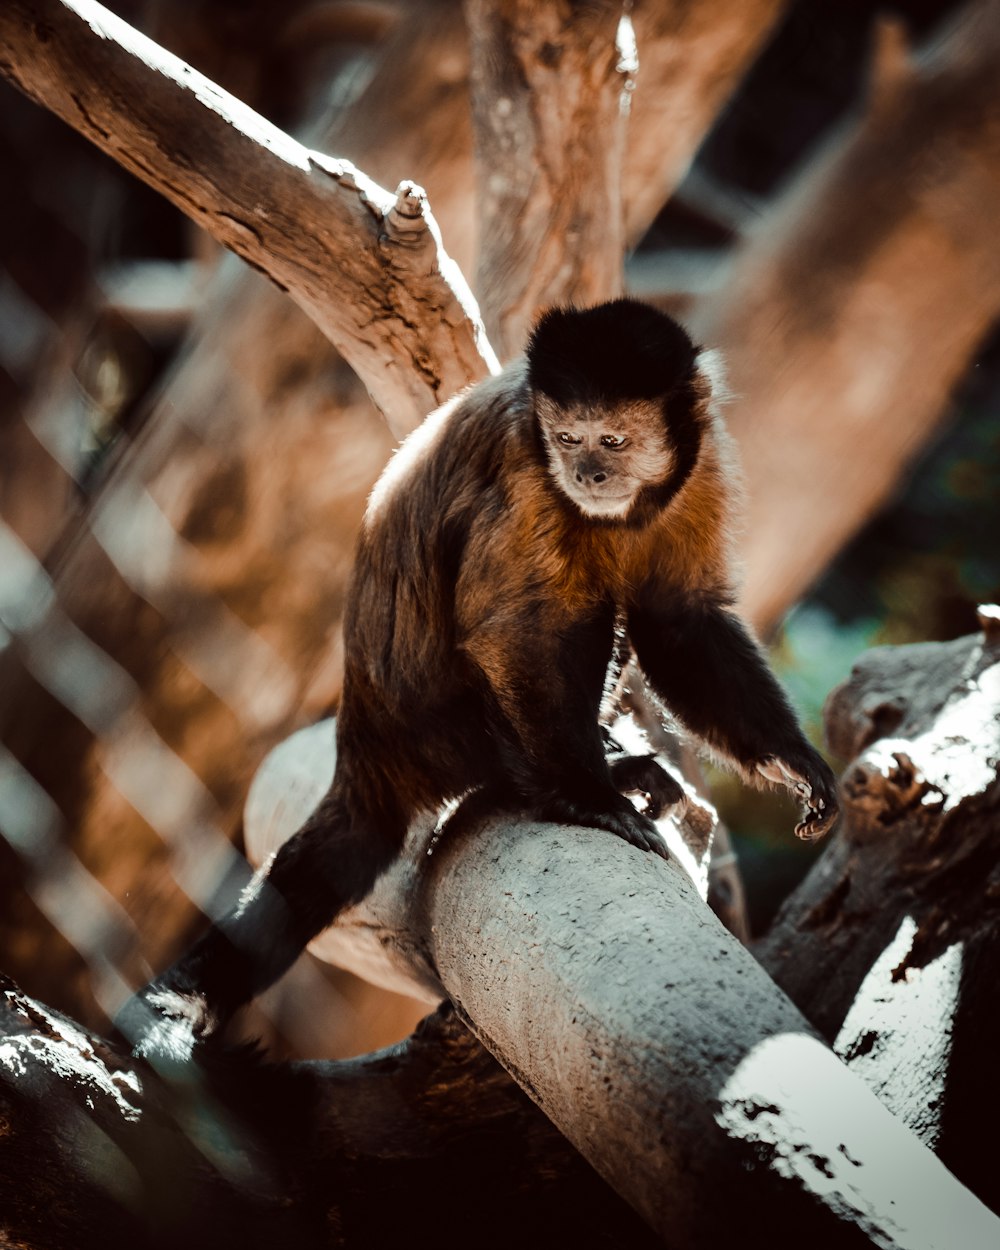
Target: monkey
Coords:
[[588, 482]]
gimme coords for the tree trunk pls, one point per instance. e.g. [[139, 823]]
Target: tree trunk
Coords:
[[549, 94]]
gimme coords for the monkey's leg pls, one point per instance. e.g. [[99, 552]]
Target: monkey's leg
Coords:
[[548, 744], [701, 659], [331, 863]]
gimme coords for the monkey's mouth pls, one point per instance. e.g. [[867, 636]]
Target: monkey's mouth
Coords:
[[596, 502]]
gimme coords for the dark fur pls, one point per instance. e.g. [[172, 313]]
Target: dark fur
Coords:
[[480, 623]]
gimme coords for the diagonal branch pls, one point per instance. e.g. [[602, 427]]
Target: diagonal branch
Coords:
[[366, 266]]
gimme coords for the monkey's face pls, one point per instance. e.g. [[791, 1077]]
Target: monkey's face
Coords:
[[601, 456]]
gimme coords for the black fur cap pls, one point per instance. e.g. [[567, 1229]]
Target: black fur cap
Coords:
[[619, 350]]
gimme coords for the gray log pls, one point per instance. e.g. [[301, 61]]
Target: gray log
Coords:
[[644, 1030]]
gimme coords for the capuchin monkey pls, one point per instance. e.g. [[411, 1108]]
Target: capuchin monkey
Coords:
[[587, 483]]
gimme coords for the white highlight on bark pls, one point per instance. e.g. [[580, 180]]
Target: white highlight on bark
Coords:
[[66, 1051], [239, 115], [894, 1026], [802, 1110]]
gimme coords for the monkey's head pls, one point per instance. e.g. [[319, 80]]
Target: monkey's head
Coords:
[[618, 404]]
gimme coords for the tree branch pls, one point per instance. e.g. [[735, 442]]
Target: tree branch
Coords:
[[642, 1028], [367, 266], [98, 1150]]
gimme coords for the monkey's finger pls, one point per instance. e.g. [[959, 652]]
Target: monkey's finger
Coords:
[[783, 774], [645, 840], [817, 821]]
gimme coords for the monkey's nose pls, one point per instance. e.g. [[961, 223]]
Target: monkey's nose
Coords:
[[592, 475]]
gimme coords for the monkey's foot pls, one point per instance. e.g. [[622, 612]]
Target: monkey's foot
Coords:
[[622, 820], [643, 774], [814, 784]]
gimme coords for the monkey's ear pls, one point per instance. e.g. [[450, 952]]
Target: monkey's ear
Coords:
[[615, 351], [710, 381]]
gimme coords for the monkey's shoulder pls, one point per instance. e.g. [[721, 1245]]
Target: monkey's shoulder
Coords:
[[459, 450]]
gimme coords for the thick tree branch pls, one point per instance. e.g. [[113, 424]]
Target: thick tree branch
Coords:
[[367, 266], [643, 1029], [97, 1150]]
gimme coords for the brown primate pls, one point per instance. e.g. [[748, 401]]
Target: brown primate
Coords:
[[587, 483]]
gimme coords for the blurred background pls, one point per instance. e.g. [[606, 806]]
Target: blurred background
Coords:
[[184, 459]]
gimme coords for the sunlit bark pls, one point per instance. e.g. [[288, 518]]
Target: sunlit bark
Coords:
[[891, 946]]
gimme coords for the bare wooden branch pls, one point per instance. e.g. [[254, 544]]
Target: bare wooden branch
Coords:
[[857, 303], [891, 946], [367, 266], [548, 103], [639, 1025]]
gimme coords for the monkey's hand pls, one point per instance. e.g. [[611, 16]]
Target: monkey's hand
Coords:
[[643, 774], [616, 815], [809, 778]]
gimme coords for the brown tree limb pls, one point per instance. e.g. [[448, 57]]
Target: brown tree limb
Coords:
[[366, 266], [891, 946], [692, 55]]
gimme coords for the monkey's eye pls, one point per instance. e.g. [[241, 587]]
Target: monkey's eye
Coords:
[[612, 440], [568, 440]]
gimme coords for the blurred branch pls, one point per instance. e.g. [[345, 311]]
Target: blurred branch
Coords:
[[692, 55], [366, 266], [858, 300]]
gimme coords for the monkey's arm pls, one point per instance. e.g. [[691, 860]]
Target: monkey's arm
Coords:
[[702, 661], [543, 691]]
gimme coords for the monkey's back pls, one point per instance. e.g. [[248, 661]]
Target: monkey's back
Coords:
[[412, 701]]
